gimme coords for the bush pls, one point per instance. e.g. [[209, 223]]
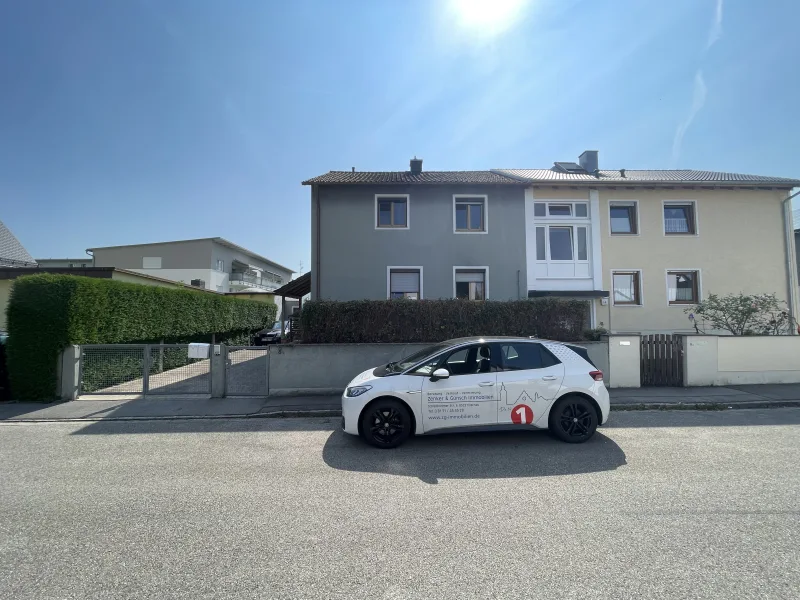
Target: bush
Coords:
[[740, 314], [48, 312], [409, 321]]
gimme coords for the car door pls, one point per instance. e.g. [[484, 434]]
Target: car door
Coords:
[[468, 397], [527, 382]]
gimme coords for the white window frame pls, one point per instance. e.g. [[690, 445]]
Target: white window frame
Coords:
[[397, 268], [473, 268], [574, 227], [220, 267], [408, 212], [638, 218], [570, 219], [696, 215], [641, 288], [485, 199], [683, 270]]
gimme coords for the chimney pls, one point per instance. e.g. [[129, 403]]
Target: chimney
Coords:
[[588, 160], [416, 165]]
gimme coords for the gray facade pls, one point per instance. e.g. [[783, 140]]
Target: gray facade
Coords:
[[351, 257], [189, 254]]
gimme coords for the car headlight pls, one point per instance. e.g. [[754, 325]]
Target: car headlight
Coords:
[[357, 390]]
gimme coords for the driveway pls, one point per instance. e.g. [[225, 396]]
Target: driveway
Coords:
[[659, 505]]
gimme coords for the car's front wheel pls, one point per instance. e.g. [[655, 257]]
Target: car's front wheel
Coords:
[[573, 419], [386, 423]]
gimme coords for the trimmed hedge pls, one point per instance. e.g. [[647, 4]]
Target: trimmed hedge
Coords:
[[408, 321], [48, 312]]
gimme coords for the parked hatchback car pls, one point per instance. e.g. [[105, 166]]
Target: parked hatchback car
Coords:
[[272, 335], [479, 383]]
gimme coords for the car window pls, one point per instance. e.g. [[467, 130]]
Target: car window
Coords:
[[463, 361], [522, 356]]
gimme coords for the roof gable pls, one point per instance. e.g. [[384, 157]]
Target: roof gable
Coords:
[[12, 252]]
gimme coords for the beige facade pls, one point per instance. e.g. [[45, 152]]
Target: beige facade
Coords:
[[740, 246]]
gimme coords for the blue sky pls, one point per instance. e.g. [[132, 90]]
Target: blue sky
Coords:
[[134, 121]]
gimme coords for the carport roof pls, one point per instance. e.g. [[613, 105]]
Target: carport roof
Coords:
[[297, 288]]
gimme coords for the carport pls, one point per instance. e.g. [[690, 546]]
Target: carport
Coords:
[[296, 289]]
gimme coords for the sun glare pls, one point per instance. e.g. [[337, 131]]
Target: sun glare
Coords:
[[489, 16]]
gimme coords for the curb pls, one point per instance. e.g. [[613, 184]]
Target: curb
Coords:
[[291, 414]]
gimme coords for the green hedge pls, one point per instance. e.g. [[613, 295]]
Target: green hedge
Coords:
[[48, 312], [407, 321]]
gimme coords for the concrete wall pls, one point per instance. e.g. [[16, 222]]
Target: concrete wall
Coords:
[[624, 353], [354, 255], [729, 360], [740, 247], [598, 352], [327, 368]]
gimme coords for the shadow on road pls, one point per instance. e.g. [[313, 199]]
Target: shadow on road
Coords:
[[253, 425], [475, 456]]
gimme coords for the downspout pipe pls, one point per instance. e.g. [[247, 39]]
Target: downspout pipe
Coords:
[[791, 259]]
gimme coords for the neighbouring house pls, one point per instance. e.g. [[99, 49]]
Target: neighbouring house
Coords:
[[210, 263], [638, 245], [9, 274], [12, 252], [65, 263]]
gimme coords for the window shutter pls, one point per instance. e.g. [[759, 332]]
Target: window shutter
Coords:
[[405, 281], [469, 276]]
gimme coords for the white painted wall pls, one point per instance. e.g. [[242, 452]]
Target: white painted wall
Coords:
[[729, 360], [211, 277]]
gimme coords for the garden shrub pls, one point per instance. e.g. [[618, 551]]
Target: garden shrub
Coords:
[[48, 312], [409, 321]]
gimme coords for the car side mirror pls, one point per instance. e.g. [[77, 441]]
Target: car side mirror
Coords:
[[440, 374]]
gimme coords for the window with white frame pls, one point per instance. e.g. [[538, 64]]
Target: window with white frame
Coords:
[[579, 210], [680, 218], [623, 218], [683, 287], [470, 283], [627, 288], [220, 265], [568, 243], [391, 211], [470, 214], [405, 283]]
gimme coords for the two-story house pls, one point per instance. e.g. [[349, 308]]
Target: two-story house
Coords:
[[639, 246], [211, 263]]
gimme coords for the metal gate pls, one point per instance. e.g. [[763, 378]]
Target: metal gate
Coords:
[[247, 371], [142, 369], [662, 360]]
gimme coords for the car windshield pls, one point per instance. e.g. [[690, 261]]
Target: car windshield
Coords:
[[411, 360], [276, 326]]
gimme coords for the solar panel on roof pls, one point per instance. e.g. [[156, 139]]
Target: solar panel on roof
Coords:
[[570, 167]]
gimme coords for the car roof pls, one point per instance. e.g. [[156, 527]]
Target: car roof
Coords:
[[496, 338]]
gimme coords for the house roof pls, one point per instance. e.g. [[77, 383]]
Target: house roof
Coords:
[[218, 240], [636, 176], [400, 177], [12, 252], [554, 176]]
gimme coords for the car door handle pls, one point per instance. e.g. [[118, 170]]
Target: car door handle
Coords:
[[414, 392], [486, 383], [549, 378]]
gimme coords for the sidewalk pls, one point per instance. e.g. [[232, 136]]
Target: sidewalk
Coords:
[[202, 407]]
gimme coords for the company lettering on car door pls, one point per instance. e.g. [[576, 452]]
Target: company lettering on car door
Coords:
[[456, 405]]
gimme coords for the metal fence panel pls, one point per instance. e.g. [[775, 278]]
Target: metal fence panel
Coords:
[[246, 371], [112, 369], [171, 371]]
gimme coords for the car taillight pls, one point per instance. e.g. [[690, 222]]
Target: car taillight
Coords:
[[596, 375]]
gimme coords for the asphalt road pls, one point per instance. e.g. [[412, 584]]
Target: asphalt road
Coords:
[[659, 505]]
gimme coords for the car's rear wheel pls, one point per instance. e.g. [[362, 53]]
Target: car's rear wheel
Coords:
[[386, 423], [573, 419]]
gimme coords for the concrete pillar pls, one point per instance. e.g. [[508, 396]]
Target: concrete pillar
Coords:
[[624, 361], [219, 362], [69, 369]]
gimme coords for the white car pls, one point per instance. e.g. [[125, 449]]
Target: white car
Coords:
[[479, 383]]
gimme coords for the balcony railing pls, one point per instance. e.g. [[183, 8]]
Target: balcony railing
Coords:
[[267, 281]]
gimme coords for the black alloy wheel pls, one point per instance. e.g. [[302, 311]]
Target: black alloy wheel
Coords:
[[573, 419], [386, 423]]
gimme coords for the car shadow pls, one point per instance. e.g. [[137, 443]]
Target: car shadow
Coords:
[[475, 456]]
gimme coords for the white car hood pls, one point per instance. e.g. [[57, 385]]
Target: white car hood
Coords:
[[362, 378]]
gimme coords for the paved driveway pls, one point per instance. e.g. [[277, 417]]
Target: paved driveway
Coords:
[[661, 505]]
